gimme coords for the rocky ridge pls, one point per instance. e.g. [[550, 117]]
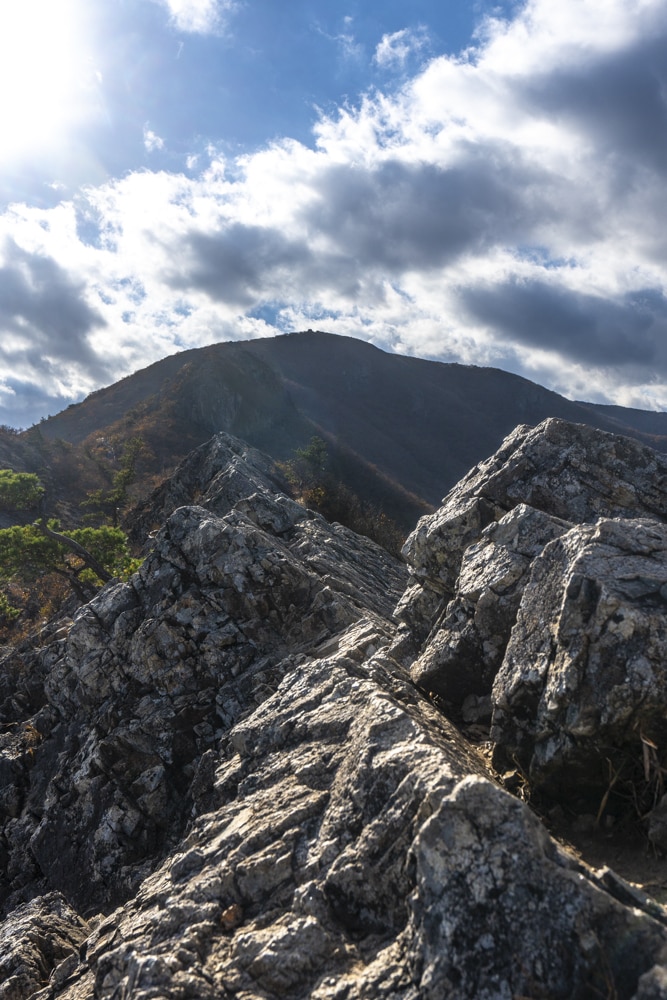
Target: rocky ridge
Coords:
[[231, 776], [546, 570]]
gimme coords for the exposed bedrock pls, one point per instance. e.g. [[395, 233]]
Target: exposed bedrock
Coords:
[[220, 779], [583, 685], [546, 579], [569, 471]]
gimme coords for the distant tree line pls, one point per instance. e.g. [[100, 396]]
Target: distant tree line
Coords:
[[42, 561], [313, 481]]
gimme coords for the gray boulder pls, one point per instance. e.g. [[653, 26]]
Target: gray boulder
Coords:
[[469, 561], [569, 471], [583, 685], [465, 649]]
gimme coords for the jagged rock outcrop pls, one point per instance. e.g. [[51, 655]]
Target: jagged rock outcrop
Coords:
[[152, 673], [226, 768], [552, 616], [216, 475], [43, 934], [569, 471], [583, 685]]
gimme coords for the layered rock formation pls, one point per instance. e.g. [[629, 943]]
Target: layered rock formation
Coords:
[[546, 574], [220, 778]]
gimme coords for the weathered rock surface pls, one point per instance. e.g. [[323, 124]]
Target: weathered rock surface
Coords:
[[42, 935], [583, 685], [467, 643], [552, 616], [226, 765], [346, 843], [567, 470]]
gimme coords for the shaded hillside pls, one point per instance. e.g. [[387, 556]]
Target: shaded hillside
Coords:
[[402, 430], [67, 472], [652, 423]]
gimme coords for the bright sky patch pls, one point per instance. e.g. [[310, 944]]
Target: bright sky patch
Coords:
[[40, 72], [478, 182]]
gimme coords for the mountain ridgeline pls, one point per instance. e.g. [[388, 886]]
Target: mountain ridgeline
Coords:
[[277, 761], [400, 431]]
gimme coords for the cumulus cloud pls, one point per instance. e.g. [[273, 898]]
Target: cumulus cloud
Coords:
[[503, 207], [629, 329], [199, 16], [152, 141], [237, 265], [42, 311], [47, 325], [394, 49], [618, 103], [421, 216]]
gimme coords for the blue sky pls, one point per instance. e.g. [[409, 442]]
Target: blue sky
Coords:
[[464, 181]]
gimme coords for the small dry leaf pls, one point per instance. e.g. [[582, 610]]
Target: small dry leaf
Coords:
[[31, 735], [231, 917]]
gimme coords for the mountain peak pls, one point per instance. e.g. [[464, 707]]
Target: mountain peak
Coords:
[[404, 429]]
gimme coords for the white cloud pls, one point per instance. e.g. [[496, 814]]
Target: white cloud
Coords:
[[394, 49], [152, 140], [504, 208], [199, 16]]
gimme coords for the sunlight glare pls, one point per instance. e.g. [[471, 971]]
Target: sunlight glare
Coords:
[[39, 58]]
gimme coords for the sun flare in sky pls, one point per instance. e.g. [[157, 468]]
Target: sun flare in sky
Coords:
[[40, 72], [479, 181]]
